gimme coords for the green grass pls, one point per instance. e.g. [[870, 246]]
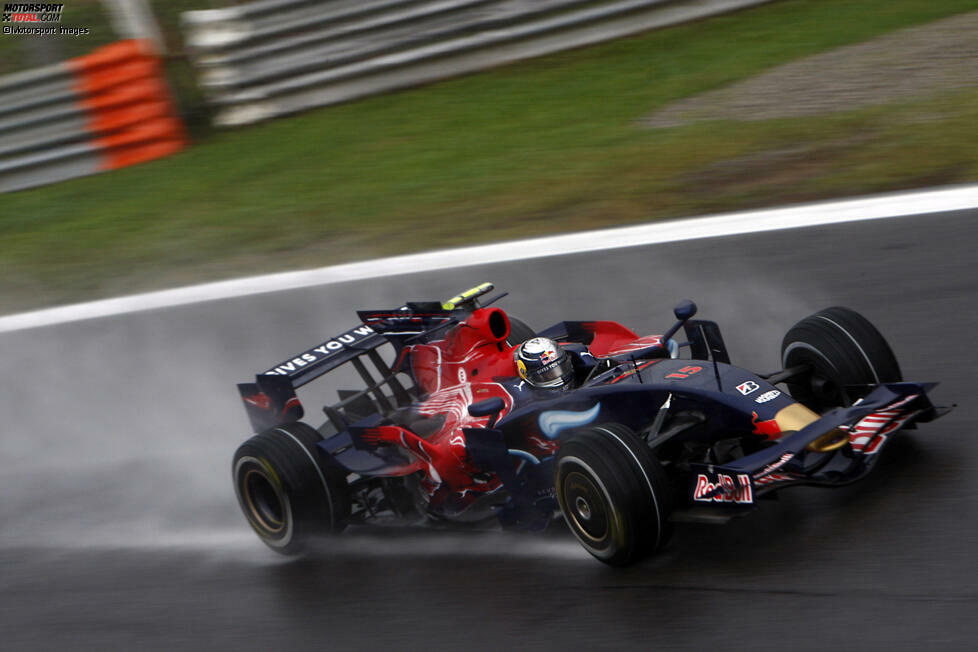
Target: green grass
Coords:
[[545, 146]]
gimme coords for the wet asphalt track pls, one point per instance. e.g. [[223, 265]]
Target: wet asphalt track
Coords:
[[119, 527]]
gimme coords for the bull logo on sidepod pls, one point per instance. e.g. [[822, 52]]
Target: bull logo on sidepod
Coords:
[[552, 422]]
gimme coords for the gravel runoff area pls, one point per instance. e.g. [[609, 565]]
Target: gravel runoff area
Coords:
[[908, 63]]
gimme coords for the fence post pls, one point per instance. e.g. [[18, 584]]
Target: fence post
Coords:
[[134, 19]]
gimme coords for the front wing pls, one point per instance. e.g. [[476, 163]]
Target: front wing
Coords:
[[839, 448]]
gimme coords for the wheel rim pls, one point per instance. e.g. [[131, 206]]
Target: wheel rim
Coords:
[[264, 501], [586, 506], [826, 392], [582, 508]]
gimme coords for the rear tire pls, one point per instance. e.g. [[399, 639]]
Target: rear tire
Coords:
[[289, 496], [519, 332], [843, 348], [613, 493]]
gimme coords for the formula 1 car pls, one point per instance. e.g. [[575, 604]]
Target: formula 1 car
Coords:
[[646, 432]]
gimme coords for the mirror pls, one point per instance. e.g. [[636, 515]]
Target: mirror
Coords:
[[685, 310]]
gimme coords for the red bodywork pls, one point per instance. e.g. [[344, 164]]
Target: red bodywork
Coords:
[[457, 371], [612, 339], [453, 373]]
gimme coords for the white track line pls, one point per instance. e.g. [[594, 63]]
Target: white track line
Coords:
[[817, 214]]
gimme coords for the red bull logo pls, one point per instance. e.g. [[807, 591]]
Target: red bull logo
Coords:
[[724, 490]]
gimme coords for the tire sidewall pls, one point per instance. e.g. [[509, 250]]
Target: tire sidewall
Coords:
[[614, 542], [634, 490], [519, 332], [311, 496], [844, 350]]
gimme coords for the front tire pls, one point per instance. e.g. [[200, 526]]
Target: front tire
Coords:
[[288, 495], [613, 493], [843, 348]]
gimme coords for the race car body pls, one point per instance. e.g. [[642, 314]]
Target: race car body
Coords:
[[647, 431]]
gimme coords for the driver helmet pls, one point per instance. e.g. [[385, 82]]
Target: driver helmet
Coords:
[[542, 363]]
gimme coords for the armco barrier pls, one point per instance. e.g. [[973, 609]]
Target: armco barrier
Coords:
[[269, 58], [101, 111]]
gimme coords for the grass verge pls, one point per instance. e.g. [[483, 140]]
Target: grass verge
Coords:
[[545, 146]]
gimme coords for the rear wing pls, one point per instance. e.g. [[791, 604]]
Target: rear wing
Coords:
[[271, 400], [322, 359]]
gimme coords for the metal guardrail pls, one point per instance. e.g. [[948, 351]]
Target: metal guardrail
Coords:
[[102, 111], [273, 57]]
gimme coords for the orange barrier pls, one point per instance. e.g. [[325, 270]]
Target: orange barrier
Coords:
[[102, 111], [127, 102], [112, 119], [135, 92]]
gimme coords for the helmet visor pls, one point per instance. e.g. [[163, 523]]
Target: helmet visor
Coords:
[[551, 375]]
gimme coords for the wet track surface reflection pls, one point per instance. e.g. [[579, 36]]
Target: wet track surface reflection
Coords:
[[120, 529]]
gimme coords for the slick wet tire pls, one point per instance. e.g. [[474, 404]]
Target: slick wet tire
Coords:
[[613, 493], [289, 494], [519, 332], [843, 349]]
